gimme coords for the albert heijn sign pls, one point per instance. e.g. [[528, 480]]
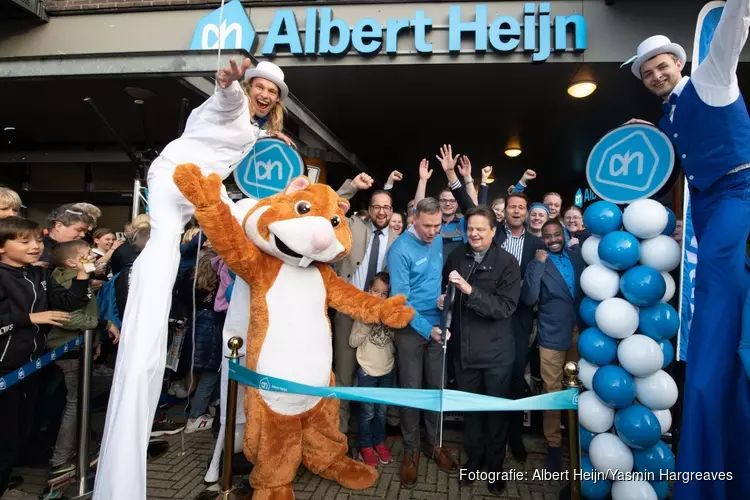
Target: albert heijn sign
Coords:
[[535, 30]]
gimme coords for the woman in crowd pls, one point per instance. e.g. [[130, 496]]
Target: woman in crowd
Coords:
[[538, 215], [397, 222]]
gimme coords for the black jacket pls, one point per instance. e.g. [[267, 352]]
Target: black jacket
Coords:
[[481, 335], [25, 290]]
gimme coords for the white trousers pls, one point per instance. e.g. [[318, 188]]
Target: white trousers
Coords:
[[142, 351], [236, 324]]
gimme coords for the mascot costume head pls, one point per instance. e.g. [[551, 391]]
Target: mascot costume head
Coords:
[[283, 250]]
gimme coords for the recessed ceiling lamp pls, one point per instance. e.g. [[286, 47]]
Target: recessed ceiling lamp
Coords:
[[583, 83], [9, 129], [513, 148]]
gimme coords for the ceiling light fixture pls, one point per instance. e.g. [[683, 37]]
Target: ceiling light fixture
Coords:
[[9, 129], [513, 148], [582, 84]]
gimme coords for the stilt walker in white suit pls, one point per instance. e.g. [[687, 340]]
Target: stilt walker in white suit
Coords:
[[218, 135]]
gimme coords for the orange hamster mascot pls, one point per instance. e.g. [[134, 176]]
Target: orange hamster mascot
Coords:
[[283, 250]]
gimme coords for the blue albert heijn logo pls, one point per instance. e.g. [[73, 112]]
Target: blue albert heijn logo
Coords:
[[3, 385], [264, 384], [233, 31], [268, 168], [38, 363], [21, 374], [579, 198], [575, 399], [629, 163]]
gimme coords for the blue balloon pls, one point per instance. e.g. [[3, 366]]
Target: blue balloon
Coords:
[[614, 386], [661, 488], [643, 286], [585, 437], [587, 310], [671, 222], [637, 427], [668, 349], [660, 322], [602, 217], [597, 347], [619, 250], [593, 486], [655, 460]]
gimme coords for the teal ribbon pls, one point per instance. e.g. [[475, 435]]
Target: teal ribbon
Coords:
[[424, 399]]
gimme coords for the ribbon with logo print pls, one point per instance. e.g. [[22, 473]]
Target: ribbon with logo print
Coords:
[[12, 378], [424, 399]]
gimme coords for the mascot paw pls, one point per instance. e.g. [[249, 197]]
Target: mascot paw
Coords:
[[395, 313], [201, 191], [278, 493], [351, 474]]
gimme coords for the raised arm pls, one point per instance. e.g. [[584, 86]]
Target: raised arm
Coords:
[[216, 219], [719, 68], [425, 172]]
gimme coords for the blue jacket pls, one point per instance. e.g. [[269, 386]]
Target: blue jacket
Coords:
[[416, 271], [557, 309]]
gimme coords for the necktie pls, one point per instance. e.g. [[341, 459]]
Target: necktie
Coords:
[[372, 265], [667, 106]]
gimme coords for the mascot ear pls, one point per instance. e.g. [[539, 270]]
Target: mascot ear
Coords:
[[343, 204], [297, 184]]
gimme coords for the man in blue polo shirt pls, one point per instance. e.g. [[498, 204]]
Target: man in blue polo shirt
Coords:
[[707, 120]]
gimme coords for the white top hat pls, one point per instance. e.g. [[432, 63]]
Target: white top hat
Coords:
[[271, 72], [652, 47]]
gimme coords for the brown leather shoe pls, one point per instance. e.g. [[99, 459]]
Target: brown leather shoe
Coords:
[[443, 459], [409, 469]]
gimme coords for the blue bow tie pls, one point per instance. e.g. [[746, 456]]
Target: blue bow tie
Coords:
[[667, 106]]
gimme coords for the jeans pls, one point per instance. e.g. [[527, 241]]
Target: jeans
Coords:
[[16, 417], [65, 448], [207, 386], [371, 415]]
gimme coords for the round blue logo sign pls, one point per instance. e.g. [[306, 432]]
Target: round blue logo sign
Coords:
[[268, 168], [629, 163]]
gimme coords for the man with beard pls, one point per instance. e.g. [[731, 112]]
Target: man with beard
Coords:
[[552, 283], [488, 285], [706, 119], [370, 243]]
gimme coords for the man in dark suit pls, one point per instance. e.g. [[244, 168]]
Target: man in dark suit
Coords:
[[552, 282]]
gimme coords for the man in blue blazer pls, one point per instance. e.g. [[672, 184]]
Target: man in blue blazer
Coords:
[[552, 282]]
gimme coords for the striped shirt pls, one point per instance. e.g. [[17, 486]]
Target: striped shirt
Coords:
[[514, 244]]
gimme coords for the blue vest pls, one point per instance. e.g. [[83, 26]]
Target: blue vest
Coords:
[[709, 141]]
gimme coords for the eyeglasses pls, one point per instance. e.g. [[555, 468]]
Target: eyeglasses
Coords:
[[574, 218], [447, 202], [384, 208]]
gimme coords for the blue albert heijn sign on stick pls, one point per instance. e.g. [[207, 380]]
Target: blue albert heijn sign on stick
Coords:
[[630, 162], [268, 168]]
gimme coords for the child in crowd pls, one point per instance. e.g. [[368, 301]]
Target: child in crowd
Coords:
[[31, 301], [376, 355], [10, 202], [207, 348], [66, 257]]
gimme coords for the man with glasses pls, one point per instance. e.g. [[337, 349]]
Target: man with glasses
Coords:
[[370, 242], [453, 228]]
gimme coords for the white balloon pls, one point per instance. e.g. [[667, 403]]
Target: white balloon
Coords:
[[590, 250], [608, 454], [616, 317], [665, 420], [657, 391], [662, 253], [669, 280], [640, 355], [633, 490], [586, 373], [594, 415], [645, 218], [600, 282]]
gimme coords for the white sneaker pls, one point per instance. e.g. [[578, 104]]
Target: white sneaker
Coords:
[[202, 423], [177, 390]]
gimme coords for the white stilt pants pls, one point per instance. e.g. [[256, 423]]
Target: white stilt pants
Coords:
[[236, 324], [142, 351]]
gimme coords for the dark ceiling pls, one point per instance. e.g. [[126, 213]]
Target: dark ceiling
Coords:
[[389, 115]]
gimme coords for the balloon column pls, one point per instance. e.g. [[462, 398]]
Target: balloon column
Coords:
[[624, 410]]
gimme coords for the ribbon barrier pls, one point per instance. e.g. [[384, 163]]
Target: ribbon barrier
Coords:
[[424, 399], [12, 378]]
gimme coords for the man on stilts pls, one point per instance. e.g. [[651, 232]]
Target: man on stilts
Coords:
[[218, 135], [707, 120]]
